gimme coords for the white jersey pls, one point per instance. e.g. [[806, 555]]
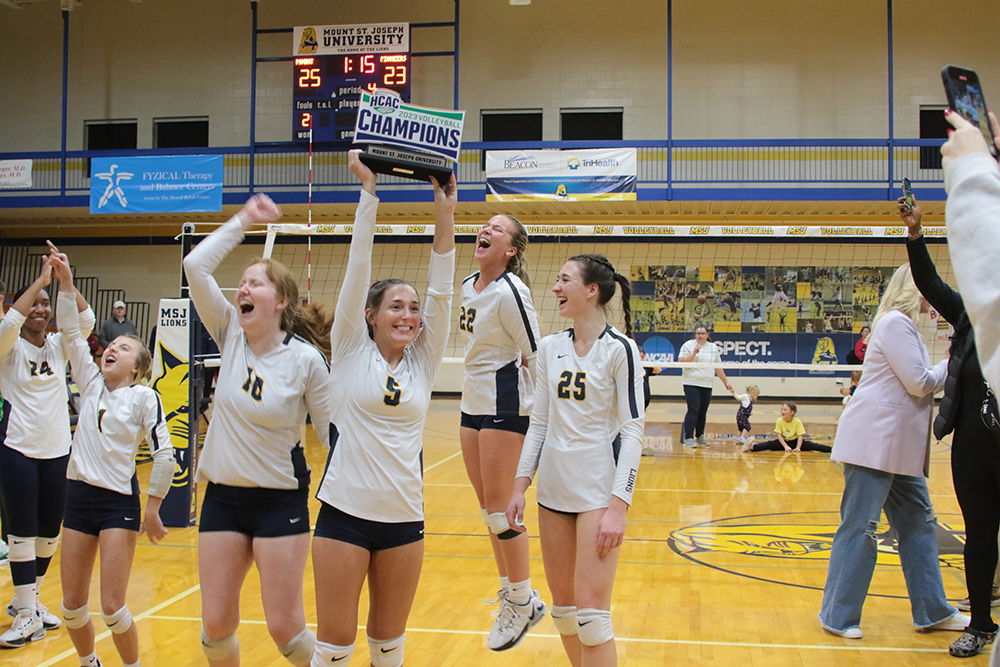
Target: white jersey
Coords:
[[375, 467], [112, 424], [33, 381], [581, 405], [260, 401], [708, 354], [499, 325]]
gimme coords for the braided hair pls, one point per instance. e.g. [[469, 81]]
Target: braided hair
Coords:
[[597, 270]]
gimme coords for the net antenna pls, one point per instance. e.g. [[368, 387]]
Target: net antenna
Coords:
[[272, 230]]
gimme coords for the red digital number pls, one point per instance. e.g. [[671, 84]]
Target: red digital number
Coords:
[[347, 65], [309, 78], [368, 64]]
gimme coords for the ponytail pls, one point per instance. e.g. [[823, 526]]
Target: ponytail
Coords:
[[518, 264], [314, 325], [626, 301]]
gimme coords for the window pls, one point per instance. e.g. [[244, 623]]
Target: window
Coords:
[[932, 126], [180, 132], [110, 135], [590, 125], [510, 125]]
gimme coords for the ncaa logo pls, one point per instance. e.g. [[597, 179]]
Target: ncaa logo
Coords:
[[385, 101], [658, 348]]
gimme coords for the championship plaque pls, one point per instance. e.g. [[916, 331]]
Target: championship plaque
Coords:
[[406, 140]]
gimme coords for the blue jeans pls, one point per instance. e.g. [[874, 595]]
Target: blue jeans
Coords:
[[911, 517]]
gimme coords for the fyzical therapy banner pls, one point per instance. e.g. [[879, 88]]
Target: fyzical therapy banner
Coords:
[[156, 184], [574, 175]]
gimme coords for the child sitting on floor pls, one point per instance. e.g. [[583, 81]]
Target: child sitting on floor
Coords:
[[745, 410], [788, 428]]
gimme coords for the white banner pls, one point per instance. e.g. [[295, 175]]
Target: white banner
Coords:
[[384, 118], [599, 174], [15, 174], [780, 234], [323, 40]]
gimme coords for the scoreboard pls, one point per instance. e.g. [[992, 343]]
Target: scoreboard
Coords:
[[327, 90]]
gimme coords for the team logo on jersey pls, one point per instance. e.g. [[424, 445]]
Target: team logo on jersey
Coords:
[[825, 352], [171, 384], [309, 43], [755, 546]]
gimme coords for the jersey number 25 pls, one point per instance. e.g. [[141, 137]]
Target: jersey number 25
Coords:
[[578, 380]]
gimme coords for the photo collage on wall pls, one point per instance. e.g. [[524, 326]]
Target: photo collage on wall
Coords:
[[756, 299]]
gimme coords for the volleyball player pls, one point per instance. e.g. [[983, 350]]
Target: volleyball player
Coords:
[[256, 502], [34, 449], [103, 500], [585, 440], [385, 355], [501, 329]]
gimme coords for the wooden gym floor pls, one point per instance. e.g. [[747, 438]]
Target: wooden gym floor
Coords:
[[723, 564]]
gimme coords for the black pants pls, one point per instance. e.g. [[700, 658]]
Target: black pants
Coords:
[[698, 399], [775, 446], [975, 470]]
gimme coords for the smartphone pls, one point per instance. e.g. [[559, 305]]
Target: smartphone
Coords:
[[907, 194], [965, 96]]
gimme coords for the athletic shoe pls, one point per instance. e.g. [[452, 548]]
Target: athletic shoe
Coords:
[[971, 643], [25, 629], [957, 622], [702, 441], [690, 443], [514, 621], [49, 620], [853, 632], [740, 440], [648, 451], [965, 605]]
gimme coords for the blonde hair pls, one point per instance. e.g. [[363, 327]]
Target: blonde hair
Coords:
[[753, 389], [518, 263], [856, 377], [900, 294], [143, 359], [312, 322]]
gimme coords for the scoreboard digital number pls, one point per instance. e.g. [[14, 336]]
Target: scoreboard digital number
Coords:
[[327, 90]]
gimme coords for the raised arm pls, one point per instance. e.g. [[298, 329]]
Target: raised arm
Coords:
[[349, 319], [440, 277], [938, 293], [213, 307]]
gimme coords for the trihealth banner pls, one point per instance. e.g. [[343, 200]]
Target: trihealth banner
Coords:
[[15, 174], [321, 40], [156, 184], [384, 118], [575, 175]]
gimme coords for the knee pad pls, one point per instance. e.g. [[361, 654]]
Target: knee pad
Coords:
[[118, 622], [331, 654], [388, 653], [300, 650], [565, 619], [75, 618], [594, 626], [45, 547], [219, 649], [500, 527], [22, 549], [486, 516]]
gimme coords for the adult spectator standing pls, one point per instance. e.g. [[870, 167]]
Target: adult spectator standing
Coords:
[[115, 326], [697, 383]]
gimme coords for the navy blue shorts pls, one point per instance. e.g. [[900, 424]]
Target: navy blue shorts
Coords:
[[254, 511], [370, 535], [91, 509], [558, 511], [512, 423]]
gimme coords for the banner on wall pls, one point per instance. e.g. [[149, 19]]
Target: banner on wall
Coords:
[[322, 40], [156, 184], [170, 380], [573, 175], [15, 174]]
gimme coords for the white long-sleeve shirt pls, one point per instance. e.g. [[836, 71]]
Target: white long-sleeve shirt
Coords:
[[973, 218], [33, 381], [581, 404], [375, 468], [260, 401]]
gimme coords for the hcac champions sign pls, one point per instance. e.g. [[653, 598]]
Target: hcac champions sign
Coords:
[[407, 140]]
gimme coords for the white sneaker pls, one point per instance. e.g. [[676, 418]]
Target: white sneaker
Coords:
[[740, 440], [853, 632], [49, 620], [690, 443], [25, 629], [957, 622], [514, 621], [702, 441]]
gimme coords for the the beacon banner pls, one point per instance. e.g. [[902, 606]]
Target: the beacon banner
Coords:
[[574, 175], [323, 40], [384, 118], [156, 184]]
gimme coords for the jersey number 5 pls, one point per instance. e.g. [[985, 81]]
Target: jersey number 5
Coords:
[[578, 380], [466, 319], [391, 397]]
